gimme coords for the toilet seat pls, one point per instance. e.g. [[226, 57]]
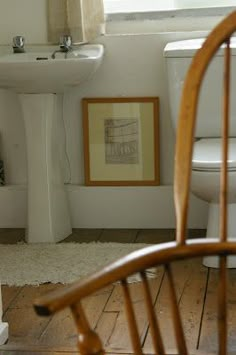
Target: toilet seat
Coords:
[[207, 153]]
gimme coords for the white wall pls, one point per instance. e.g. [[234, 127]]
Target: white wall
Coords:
[[133, 66], [23, 17]]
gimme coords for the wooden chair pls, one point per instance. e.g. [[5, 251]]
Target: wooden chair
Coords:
[[164, 254]]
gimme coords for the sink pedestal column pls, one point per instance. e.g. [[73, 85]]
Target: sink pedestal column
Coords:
[[48, 210]]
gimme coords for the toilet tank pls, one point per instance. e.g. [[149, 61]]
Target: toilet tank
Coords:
[[178, 56]]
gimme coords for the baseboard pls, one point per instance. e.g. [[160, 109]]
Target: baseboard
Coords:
[[130, 207], [108, 207]]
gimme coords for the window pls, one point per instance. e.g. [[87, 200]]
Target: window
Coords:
[[112, 6], [203, 3]]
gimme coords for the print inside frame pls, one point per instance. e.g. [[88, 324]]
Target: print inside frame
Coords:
[[121, 141]]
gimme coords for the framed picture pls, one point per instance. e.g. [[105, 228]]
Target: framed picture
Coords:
[[121, 141]]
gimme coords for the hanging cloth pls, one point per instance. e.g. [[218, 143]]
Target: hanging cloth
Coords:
[[81, 19]]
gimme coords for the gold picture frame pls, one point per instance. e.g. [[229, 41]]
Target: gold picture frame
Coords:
[[121, 145]]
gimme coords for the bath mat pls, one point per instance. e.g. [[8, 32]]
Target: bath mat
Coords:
[[33, 264]]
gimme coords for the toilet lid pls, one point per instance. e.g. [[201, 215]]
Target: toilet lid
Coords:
[[207, 154]]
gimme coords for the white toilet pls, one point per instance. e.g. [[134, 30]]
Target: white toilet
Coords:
[[207, 147]]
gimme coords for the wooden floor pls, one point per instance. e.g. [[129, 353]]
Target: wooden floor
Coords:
[[195, 284]]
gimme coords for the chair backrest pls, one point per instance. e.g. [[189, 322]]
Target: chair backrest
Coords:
[[220, 35], [187, 120], [164, 254]]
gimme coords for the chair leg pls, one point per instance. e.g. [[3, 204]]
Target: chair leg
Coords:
[[89, 342]]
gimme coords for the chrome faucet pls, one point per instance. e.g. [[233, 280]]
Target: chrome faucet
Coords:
[[18, 44], [65, 45]]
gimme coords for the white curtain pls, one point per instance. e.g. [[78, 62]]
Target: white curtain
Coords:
[[82, 19]]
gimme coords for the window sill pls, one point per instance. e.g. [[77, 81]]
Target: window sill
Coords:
[[168, 14]]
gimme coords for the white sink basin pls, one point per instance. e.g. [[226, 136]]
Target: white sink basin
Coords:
[[36, 72]]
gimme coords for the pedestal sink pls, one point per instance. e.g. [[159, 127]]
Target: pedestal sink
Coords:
[[38, 78]]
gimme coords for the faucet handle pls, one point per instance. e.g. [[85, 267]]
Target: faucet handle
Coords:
[[65, 42], [18, 42]]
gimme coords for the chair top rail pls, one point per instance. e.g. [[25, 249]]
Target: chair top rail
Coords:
[[150, 256]]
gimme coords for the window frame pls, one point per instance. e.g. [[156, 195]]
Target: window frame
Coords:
[[113, 7]]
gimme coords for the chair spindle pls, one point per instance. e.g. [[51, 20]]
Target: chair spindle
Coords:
[[131, 319], [225, 134], [222, 312], [154, 326], [179, 333]]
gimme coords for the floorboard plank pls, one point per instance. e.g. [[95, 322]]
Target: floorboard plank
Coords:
[[23, 321], [105, 327], [208, 339], [24, 324], [12, 235], [30, 334], [209, 333], [192, 302], [154, 236], [118, 235], [28, 294], [118, 338], [8, 295], [61, 330], [81, 235], [232, 311], [190, 281]]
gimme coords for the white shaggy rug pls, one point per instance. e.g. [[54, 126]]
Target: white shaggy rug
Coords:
[[34, 264]]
